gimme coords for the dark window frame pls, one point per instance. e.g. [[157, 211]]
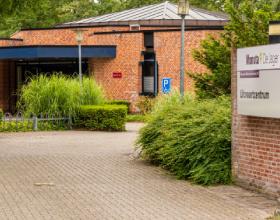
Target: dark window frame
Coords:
[[156, 73]]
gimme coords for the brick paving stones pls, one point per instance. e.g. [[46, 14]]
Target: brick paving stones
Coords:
[[92, 175]]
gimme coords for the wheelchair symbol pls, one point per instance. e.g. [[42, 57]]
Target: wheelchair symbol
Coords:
[[166, 85]]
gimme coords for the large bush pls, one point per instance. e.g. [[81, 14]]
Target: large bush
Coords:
[[103, 117], [58, 94], [192, 140]]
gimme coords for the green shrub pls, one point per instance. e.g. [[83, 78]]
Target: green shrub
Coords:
[[119, 102], [92, 93], [145, 104], [103, 117], [58, 94], [192, 140], [25, 126], [1, 114], [15, 126]]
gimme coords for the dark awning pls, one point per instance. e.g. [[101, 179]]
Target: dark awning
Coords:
[[33, 52]]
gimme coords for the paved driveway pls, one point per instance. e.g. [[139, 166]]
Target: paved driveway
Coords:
[[92, 175]]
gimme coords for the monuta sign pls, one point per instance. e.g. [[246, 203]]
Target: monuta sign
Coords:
[[258, 81]]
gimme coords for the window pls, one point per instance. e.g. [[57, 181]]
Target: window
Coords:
[[149, 75], [149, 40]]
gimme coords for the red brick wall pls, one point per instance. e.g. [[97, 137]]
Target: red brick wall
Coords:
[[255, 148], [10, 42], [61, 36], [66, 36], [167, 47], [129, 47]]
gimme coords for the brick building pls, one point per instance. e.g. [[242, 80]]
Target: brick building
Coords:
[[127, 52]]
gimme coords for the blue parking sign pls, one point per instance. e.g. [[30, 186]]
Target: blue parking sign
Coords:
[[166, 85]]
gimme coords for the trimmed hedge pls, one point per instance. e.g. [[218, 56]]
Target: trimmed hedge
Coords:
[[25, 126], [192, 140], [102, 117], [15, 126], [119, 102]]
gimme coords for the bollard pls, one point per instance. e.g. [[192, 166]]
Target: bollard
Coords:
[[35, 123]]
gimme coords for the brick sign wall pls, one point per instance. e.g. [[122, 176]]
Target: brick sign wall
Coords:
[[255, 147]]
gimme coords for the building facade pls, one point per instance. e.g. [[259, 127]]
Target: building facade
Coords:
[[128, 53]]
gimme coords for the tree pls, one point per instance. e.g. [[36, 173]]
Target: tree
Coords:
[[71, 10], [276, 5], [16, 14], [215, 55], [31, 13], [249, 22], [6, 6], [109, 6], [248, 26]]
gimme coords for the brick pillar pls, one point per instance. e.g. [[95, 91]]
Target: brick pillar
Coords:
[[255, 147], [234, 112]]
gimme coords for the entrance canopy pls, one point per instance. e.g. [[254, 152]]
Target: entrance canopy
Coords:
[[36, 52]]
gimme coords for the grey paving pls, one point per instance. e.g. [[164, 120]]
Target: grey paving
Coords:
[[92, 175]]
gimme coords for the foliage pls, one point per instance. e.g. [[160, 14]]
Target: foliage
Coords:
[[27, 14], [102, 117], [1, 113], [192, 140], [145, 104], [249, 19], [216, 57], [92, 93], [26, 126], [58, 94], [16, 14], [248, 26], [120, 102], [136, 118]]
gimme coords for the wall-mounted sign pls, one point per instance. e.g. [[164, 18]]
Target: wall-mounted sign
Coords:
[[117, 75], [166, 85], [258, 81]]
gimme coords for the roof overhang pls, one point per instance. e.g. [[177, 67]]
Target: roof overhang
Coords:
[[147, 23], [38, 52]]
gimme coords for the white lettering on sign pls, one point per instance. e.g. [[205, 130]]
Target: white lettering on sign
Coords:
[[259, 58], [258, 81]]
